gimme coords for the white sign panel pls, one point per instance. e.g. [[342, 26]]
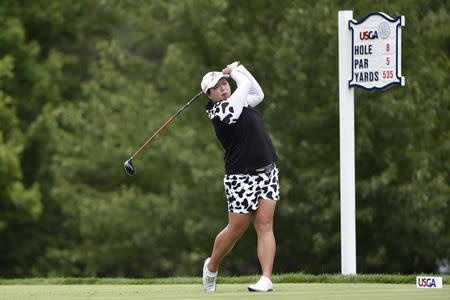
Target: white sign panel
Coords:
[[376, 51], [426, 282]]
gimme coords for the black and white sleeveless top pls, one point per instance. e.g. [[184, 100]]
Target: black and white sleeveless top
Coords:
[[240, 128]]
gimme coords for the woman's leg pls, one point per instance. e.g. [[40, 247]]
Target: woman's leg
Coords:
[[225, 240], [263, 222]]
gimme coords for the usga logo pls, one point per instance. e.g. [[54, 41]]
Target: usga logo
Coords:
[[428, 282], [368, 35], [383, 32]]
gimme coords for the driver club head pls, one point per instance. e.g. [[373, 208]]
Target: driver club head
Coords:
[[129, 168]]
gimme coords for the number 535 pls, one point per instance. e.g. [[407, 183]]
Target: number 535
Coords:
[[388, 74]]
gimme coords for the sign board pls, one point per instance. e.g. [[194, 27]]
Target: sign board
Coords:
[[369, 58], [428, 282], [376, 51]]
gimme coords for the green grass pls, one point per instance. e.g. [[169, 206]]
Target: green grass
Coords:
[[283, 278], [282, 291], [286, 286]]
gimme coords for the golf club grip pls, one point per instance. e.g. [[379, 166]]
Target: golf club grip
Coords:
[[165, 124]]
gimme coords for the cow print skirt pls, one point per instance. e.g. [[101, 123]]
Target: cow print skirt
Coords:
[[243, 191]]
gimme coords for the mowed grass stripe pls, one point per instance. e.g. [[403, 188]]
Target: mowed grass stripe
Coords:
[[283, 291]]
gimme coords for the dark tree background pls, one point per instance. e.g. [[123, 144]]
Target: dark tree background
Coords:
[[84, 83]]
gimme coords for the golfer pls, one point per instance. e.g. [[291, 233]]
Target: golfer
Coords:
[[251, 176]]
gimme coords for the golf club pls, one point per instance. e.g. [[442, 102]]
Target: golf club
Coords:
[[128, 164]]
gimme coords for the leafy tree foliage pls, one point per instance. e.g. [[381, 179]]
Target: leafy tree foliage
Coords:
[[83, 84]]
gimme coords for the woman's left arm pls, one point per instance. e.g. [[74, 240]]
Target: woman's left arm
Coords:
[[256, 94]]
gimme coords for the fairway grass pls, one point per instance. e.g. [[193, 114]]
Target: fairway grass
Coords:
[[282, 291]]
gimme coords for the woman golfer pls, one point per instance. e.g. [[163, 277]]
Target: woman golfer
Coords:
[[251, 179]]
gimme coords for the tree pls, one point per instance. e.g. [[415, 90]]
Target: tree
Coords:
[[107, 74]]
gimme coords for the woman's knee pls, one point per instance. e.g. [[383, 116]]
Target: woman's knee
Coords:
[[238, 223], [263, 224], [263, 219], [237, 229]]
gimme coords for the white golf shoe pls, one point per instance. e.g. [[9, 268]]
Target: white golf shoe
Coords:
[[209, 278], [264, 284]]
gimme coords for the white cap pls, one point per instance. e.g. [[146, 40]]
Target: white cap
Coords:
[[211, 79]]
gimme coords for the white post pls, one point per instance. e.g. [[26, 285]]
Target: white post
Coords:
[[347, 146], [399, 53]]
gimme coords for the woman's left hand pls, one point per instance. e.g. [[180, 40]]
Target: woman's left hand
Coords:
[[230, 67], [227, 70]]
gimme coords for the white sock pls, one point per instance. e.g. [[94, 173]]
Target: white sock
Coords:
[[209, 273]]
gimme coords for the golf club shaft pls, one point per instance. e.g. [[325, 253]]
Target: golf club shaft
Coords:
[[165, 124]]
